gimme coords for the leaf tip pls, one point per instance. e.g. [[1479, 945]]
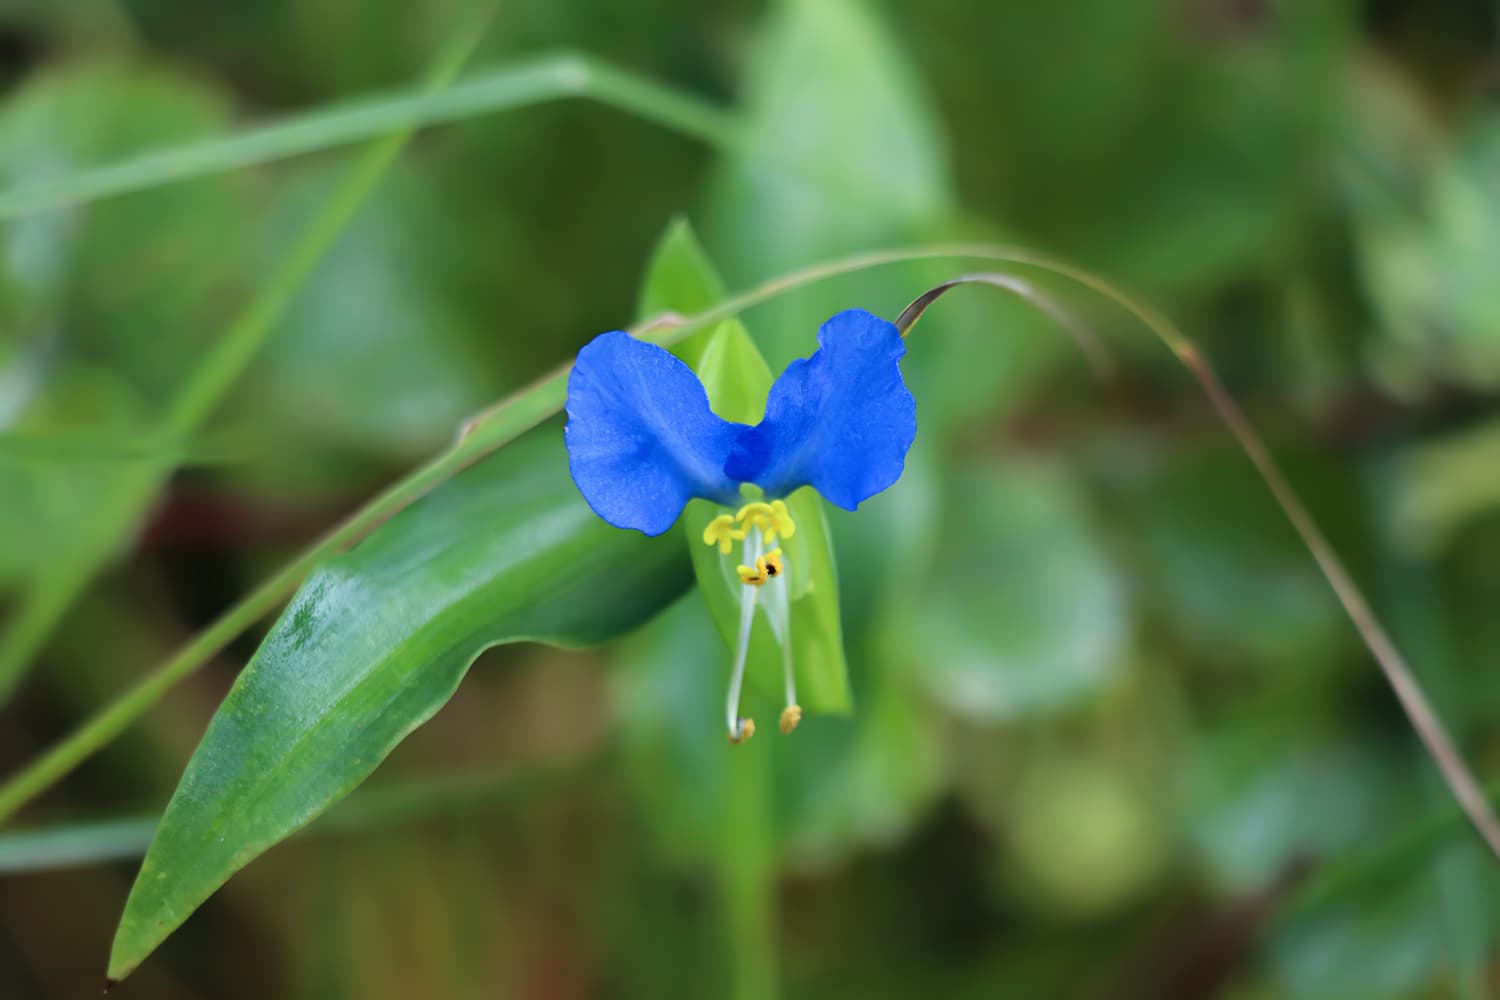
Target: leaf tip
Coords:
[[120, 966]]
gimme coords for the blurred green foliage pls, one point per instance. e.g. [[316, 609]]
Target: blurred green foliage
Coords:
[[1112, 735]]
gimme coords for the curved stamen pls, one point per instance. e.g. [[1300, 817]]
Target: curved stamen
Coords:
[[722, 532], [740, 729], [764, 569], [779, 613]]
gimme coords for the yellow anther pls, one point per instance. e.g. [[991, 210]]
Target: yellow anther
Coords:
[[790, 716], [765, 568], [746, 730], [782, 523], [722, 532], [754, 514], [771, 518]]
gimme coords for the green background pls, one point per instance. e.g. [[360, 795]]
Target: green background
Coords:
[[1113, 735]]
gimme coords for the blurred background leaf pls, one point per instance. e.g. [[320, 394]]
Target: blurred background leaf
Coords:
[[995, 642], [1111, 733]]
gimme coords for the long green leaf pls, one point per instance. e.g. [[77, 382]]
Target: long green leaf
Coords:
[[536, 81], [375, 643]]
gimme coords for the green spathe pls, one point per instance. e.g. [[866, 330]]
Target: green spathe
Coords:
[[737, 380]]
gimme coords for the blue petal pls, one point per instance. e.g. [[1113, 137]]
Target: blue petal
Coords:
[[840, 421], [641, 438]]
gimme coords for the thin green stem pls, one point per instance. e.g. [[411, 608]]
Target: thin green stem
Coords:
[[553, 77], [506, 421], [1398, 674], [119, 507], [745, 876]]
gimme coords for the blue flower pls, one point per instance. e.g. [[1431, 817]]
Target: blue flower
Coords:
[[642, 441]]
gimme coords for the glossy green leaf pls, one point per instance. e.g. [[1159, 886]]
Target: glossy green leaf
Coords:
[[737, 379], [374, 644]]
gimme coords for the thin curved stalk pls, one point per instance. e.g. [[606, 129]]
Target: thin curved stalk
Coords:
[[553, 77], [1092, 348], [1445, 754], [530, 407]]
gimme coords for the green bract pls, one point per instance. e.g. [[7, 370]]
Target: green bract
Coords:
[[737, 380]]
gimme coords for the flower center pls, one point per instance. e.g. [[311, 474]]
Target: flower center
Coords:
[[762, 570]]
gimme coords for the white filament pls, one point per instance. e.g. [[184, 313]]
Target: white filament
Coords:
[[778, 612], [742, 646]]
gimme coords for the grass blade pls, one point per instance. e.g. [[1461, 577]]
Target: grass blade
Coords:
[[119, 508], [548, 78]]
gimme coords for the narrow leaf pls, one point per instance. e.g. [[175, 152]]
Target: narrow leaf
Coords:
[[374, 644], [535, 81]]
